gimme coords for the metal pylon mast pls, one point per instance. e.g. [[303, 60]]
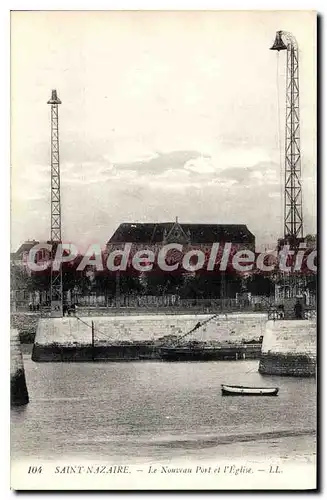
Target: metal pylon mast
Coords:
[[56, 292], [293, 214]]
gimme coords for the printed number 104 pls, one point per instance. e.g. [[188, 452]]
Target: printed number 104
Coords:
[[34, 470]]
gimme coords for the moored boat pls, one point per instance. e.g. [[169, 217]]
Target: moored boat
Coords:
[[202, 352], [240, 390]]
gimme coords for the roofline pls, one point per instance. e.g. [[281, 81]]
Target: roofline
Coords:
[[250, 234]]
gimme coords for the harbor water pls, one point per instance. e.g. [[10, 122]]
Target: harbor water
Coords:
[[154, 411]]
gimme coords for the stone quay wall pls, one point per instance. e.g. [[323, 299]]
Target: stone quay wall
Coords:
[[18, 387], [71, 337], [289, 348]]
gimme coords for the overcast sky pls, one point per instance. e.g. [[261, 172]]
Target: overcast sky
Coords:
[[163, 114]]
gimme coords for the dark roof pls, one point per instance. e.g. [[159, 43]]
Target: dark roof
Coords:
[[200, 233]]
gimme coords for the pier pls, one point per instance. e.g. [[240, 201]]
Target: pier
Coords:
[[145, 337], [18, 387]]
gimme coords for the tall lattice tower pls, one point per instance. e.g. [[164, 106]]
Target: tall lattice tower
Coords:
[[56, 292], [293, 215]]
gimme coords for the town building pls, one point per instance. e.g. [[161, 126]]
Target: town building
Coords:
[[202, 236]]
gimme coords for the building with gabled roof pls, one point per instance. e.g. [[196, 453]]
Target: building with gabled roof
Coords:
[[155, 233]]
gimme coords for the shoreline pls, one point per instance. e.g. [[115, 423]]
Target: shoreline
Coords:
[[235, 468], [285, 445]]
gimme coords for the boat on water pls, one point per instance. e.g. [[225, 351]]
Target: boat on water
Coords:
[[240, 390], [188, 353], [209, 353]]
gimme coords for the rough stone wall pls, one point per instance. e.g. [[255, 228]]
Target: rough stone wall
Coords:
[[25, 322], [289, 348]]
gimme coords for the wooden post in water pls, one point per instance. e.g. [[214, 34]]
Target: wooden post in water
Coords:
[[18, 388], [92, 341]]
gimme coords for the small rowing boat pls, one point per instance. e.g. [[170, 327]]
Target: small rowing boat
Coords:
[[240, 390]]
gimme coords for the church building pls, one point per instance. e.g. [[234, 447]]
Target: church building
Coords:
[[153, 236]]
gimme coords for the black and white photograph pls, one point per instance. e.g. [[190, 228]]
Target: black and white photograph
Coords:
[[163, 250]]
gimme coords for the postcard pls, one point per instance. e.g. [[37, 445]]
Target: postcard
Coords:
[[163, 250]]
